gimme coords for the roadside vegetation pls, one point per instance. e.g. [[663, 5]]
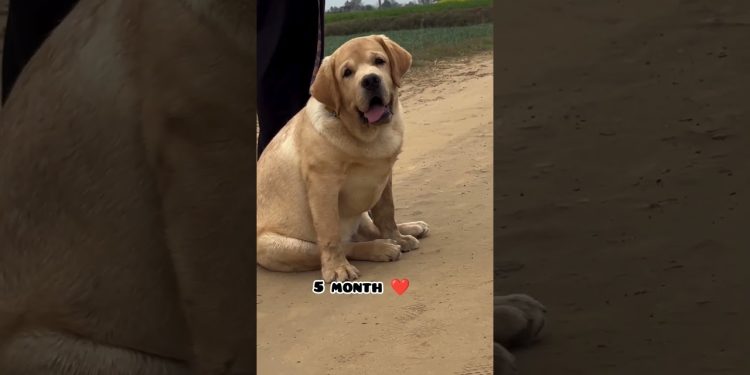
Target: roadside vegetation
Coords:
[[448, 28]]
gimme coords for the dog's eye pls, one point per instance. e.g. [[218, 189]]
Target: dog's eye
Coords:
[[347, 72], [379, 61]]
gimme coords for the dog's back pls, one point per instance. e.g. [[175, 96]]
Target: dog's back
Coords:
[[282, 207], [80, 227], [87, 280]]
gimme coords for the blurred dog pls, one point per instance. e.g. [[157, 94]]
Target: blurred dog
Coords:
[[126, 178], [519, 320], [324, 182]]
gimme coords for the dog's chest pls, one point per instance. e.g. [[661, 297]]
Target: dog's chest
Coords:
[[362, 187]]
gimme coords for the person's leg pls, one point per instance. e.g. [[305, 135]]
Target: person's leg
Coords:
[[28, 25], [288, 53]]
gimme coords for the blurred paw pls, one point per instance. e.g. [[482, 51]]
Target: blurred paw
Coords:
[[519, 319]]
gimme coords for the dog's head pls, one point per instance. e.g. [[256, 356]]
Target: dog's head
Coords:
[[360, 80]]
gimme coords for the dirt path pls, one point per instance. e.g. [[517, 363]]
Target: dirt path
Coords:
[[437, 327], [623, 184]]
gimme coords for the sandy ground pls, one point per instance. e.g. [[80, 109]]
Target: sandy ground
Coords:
[[442, 324], [623, 183]]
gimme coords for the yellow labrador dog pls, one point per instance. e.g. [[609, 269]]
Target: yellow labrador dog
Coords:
[[324, 182], [126, 177]]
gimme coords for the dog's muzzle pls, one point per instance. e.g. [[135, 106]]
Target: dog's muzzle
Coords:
[[378, 112]]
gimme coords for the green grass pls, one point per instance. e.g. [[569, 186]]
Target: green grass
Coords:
[[407, 10], [429, 44], [442, 18]]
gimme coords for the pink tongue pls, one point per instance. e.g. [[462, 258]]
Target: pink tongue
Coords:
[[375, 113]]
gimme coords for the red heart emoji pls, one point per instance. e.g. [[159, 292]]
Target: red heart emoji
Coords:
[[400, 286]]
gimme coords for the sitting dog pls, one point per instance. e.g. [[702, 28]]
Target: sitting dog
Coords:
[[325, 181]]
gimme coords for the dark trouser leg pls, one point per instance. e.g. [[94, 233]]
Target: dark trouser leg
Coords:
[[287, 56], [28, 25]]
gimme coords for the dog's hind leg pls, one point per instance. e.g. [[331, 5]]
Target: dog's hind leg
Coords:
[[418, 229], [366, 230], [286, 254], [380, 250], [52, 353]]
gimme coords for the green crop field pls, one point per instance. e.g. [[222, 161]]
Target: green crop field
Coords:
[[444, 5], [447, 13], [429, 44]]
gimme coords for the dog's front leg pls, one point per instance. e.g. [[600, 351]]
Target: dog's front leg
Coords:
[[384, 217], [208, 210], [323, 196]]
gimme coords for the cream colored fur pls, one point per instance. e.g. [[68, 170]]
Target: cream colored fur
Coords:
[[327, 169], [126, 207]]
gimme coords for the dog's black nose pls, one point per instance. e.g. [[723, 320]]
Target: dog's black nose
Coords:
[[371, 82]]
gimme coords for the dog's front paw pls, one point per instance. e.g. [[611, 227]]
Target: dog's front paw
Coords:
[[417, 229], [407, 242], [339, 271], [386, 250], [519, 319]]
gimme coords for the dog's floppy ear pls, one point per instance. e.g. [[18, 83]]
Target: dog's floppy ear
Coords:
[[400, 59], [325, 87]]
